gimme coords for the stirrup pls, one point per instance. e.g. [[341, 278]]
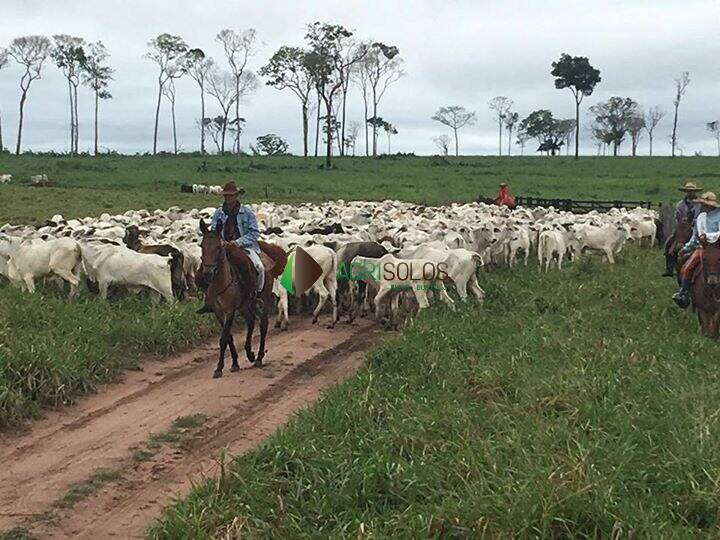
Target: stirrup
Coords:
[[681, 299]]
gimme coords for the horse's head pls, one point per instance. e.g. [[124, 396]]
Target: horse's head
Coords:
[[212, 250], [684, 230], [711, 262]]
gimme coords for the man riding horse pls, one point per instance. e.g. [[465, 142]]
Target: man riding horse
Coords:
[[238, 225], [707, 231], [686, 210]]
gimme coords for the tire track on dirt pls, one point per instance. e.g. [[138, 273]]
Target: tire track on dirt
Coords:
[[241, 409]]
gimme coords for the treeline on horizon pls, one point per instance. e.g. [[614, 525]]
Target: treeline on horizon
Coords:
[[320, 75]]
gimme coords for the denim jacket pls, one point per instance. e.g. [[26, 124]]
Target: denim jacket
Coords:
[[707, 223], [248, 232]]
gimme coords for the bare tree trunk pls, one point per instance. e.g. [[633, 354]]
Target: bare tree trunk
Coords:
[[237, 115], [72, 118], [97, 103], [456, 142], [674, 131], [509, 141], [367, 131], [317, 126], [389, 152], [499, 136], [342, 126], [202, 120], [172, 112], [157, 118], [717, 136], [222, 136], [305, 128], [77, 122], [20, 122], [328, 156], [374, 128], [1, 139], [577, 126]]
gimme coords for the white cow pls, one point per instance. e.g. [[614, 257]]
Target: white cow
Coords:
[[118, 265], [608, 239], [38, 258], [5, 178], [551, 243]]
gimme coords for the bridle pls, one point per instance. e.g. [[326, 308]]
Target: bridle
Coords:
[[212, 269], [713, 287]]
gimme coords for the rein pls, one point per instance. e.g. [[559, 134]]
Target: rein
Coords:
[[214, 267], [714, 288]]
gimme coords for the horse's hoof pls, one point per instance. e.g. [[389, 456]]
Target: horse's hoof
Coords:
[[257, 364], [235, 369], [251, 357], [314, 321], [217, 374]]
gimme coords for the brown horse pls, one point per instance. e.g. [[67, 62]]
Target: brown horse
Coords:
[[231, 287], [681, 236], [706, 290]]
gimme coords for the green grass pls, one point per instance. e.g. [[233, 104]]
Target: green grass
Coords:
[[575, 404], [53, 350], [89, 186]]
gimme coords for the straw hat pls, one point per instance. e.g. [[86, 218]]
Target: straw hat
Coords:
[[503, 184], [709, 199], [689, 186], [231, 189]]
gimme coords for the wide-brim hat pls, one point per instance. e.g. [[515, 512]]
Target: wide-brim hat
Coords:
[[503, 184], [709, 199], [690, 186], [231, 189]]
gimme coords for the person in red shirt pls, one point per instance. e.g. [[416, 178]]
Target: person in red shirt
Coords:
[[504, 198]]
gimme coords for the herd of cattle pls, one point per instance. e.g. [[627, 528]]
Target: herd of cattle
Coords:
[[160, 250]]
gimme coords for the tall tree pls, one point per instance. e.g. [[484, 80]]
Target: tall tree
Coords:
[[652, 119], [30, 52], [381, 67], [287, 70], [97, 76], [612, 119], [165, 51], [68, 53], [501, 105], [547, 130], [222, 87], [511, 120], [455, 117], [198, 66], [3, 62], [681, 85], [577, 74], [636, 124], [238, 47], [326, 61], [714, 127]]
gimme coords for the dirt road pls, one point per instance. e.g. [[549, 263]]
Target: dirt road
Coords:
[[67, 447]]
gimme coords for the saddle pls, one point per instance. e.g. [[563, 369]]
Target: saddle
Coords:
[[272, 257]]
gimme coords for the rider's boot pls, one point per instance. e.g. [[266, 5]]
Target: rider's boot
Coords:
[[682, 297]]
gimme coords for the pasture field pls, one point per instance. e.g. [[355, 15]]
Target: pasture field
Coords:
[[89, 186], [53, 350], [575, 404]]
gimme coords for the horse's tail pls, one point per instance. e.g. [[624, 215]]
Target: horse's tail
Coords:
[[277, 254]]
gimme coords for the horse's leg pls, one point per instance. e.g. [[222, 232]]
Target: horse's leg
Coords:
[[224, 340], [250, 324], [231, 344], [263, 334]]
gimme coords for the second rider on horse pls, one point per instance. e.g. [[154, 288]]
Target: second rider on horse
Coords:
[[686, 210], [707, 229], [238, 224]]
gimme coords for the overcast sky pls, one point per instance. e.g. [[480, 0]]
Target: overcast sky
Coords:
[[460, 52]]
